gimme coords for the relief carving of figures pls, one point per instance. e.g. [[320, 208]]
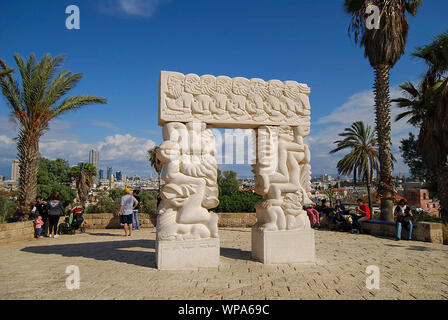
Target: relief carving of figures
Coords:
[[223, 100], [282, 177], [190, 173]]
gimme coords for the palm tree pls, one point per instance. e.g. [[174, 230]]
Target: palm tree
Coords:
[[362, 161], [83, 176], [330, 193], [427, 108], [155, 162], [383, 47], [34, 103]]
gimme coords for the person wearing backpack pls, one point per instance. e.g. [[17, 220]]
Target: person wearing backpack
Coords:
[[55, 210]]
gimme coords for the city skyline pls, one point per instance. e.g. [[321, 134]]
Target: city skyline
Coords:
[[126, 128]]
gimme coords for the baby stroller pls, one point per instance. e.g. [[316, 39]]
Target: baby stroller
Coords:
[[73, 222]]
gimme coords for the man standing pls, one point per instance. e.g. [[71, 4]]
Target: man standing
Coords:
[[127, 204], [135, 222]]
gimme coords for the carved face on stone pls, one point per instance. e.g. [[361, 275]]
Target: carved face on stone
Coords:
[[292, 90], [241, 86], [292, 203], [258, 86], [193, 84], [275, 88], [303, 129], [208, 84], [175, 83], [223, 84]]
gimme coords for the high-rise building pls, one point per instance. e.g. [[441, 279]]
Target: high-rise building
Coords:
[[109, 172], [15, 170], [94, 159], [101, 174], [118, 175]]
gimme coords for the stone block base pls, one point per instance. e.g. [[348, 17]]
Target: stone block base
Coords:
[[187, 254], [289, 246]]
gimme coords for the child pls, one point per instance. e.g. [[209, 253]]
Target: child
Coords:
[[38, 223]]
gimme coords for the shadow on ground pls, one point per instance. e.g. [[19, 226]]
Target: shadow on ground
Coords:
[[104, 251], [233, 253]]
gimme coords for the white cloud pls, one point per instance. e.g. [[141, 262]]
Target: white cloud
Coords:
[[136, 8], [125, 148], [358, 107]]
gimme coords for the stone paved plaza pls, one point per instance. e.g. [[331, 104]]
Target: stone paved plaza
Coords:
[[115, 267]]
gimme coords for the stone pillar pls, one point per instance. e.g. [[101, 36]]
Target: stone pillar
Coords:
[[187, 233], [283, 232]]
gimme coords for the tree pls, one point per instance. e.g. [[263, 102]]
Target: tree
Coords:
[[83, 175], [383, 47], [362, 161], [155, 162], [34, 102], [227, 182], [414, 160], [427, 108], [330, 193], [54, 176]]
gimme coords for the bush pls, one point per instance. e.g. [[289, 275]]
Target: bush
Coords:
[[240, 201], [8, 208], [422, 215], [104, 204]]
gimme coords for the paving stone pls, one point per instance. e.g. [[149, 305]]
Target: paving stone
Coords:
[[114, 267]]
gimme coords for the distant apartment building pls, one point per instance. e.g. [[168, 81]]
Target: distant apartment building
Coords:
[[109, 172], [15, 170], [118, 175], [101, 174], [94, 158], [419, 198]]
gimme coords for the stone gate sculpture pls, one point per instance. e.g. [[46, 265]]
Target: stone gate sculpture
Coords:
[[279, 112]]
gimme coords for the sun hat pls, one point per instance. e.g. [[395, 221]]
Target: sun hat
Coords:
[[127, 190]]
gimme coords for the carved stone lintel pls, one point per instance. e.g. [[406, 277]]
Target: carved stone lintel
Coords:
[[222, 100]]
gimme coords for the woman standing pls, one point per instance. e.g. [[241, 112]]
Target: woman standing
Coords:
[[55, 210]]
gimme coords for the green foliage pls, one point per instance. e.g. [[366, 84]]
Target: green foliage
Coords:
[[109, 202], [148, 201], [240, 201], [54, 176], [8, 207], [104, 204], [228, 182], [422, 215], [116, 194]]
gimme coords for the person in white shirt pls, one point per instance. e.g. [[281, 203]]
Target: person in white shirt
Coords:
[[127, 204]]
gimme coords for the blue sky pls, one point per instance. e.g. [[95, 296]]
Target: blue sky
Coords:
[[123, 44]]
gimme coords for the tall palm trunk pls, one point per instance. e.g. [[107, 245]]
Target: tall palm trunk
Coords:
[[443, 192], [28, 154], [386, 188]]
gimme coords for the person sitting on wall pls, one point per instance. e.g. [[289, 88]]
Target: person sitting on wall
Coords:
[[313, 214], [324, 209], [403, 214], [362, 214]]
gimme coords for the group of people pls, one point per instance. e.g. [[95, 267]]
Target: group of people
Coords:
[[128, 212], [46, 216], [340, 215]]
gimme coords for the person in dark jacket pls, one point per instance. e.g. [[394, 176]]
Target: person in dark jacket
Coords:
[[403, 214], [55, 210]]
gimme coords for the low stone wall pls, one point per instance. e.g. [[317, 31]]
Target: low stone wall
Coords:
[[16, 231], [423, 231], [109, 221]]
